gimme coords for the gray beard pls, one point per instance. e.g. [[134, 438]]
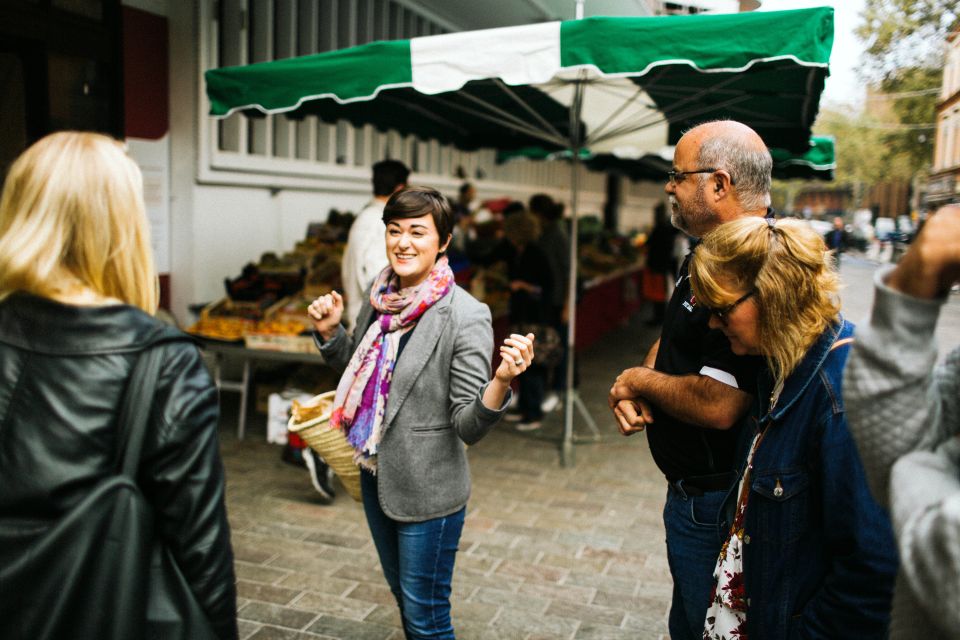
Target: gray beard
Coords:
[[695, 219]]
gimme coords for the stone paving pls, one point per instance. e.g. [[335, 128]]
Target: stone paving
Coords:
[[547, 552]]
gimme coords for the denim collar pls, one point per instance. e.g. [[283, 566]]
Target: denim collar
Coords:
[[809, 367]]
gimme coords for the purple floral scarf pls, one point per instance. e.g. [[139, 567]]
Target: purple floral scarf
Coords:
[[361, 400]]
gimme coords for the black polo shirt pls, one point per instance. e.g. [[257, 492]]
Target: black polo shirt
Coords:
[[689, 346]]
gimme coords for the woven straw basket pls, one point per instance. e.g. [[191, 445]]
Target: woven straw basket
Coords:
[[331, 444]]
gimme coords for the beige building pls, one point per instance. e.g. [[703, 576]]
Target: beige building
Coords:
[[944, 184]]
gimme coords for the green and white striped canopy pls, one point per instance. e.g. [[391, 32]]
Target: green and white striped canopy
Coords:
[[644, 80]]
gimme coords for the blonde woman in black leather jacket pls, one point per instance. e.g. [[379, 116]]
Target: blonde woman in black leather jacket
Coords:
[[77, 287]]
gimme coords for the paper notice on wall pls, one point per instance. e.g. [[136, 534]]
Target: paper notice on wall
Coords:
[[153, 157]]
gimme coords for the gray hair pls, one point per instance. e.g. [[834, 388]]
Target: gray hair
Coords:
[[749, 168]]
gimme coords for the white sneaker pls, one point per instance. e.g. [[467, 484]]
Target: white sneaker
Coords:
[[551, 402], [529, 426], [513, 417]]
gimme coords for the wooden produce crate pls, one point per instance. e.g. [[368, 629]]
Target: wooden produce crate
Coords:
[[224, 328], [291, 309], [279, 342], [272, 335], [225, 307]]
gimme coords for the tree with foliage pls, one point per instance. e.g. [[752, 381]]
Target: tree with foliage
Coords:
[[901, 34], [904, 57], [916, 111], [860, 147], [862, 158]]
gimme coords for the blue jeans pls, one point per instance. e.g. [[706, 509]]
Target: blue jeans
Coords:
[[694, 537], [417, 560]]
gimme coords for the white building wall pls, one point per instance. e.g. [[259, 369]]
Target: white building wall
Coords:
[[184, 242], [636, 211]]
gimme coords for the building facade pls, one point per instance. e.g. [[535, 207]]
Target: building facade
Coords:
[[944, 184], [222, 192]]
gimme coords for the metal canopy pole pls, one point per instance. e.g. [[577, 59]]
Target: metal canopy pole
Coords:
[[571, 397], [566, 449]]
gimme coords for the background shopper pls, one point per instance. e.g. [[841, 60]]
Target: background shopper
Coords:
[[905, 415]]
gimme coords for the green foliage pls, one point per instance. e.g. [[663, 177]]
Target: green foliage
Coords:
[[862, 155], [906, 41], [913, 145], [905, 33]]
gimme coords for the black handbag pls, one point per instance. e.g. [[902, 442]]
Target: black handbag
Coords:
[[100, 570], [547, 345]]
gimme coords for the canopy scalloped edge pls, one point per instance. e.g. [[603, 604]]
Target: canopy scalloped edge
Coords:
[[593, 69], [534, 55]]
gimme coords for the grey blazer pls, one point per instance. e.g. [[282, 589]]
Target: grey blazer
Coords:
[[434, 406]]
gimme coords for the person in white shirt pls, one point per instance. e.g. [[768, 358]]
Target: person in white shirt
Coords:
[[365, 256]]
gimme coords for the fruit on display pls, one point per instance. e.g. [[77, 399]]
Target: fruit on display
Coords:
[[270, 298], [230, 329]]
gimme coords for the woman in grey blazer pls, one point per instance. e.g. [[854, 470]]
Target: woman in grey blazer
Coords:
[[416, 386]]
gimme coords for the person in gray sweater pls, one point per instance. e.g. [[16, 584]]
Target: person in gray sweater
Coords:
[[904, 412]]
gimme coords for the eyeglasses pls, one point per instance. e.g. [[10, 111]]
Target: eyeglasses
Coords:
[[723, 312], [676, 177]]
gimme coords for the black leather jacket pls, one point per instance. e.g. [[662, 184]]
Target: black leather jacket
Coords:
[[62, 374]]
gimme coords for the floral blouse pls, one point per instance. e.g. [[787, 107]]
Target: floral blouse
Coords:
[[727, 615]]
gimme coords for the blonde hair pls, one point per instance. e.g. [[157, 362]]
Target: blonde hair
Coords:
[[789, 268], [72, 215]]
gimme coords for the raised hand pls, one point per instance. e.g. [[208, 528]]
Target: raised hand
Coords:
[[325, 313], [516, 355]]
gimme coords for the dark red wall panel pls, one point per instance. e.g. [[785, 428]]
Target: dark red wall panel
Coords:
[[145, 79]]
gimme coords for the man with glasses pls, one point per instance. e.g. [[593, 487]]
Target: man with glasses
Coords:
[[691, 391]]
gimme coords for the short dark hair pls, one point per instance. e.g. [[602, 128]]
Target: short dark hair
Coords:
[[466, 186], [415, 202], [388, 175], [541, 203], [513, 207], [521, 228]]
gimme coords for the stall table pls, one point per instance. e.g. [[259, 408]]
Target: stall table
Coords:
[[248, 357], [607, 302]]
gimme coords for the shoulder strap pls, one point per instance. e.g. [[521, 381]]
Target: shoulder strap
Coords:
[[135, 408]]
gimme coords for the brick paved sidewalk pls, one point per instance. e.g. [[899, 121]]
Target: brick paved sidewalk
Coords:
[[547, 552]]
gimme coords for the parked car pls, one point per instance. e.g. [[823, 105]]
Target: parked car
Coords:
[[884, 229], [820, 226]]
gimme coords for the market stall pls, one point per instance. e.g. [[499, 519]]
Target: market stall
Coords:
[[262, 317], [597, 83]]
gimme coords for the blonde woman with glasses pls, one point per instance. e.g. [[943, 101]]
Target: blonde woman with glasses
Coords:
[[810, 553], [77, 293]]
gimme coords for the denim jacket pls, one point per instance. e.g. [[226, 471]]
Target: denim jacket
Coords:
[[819, 559]]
